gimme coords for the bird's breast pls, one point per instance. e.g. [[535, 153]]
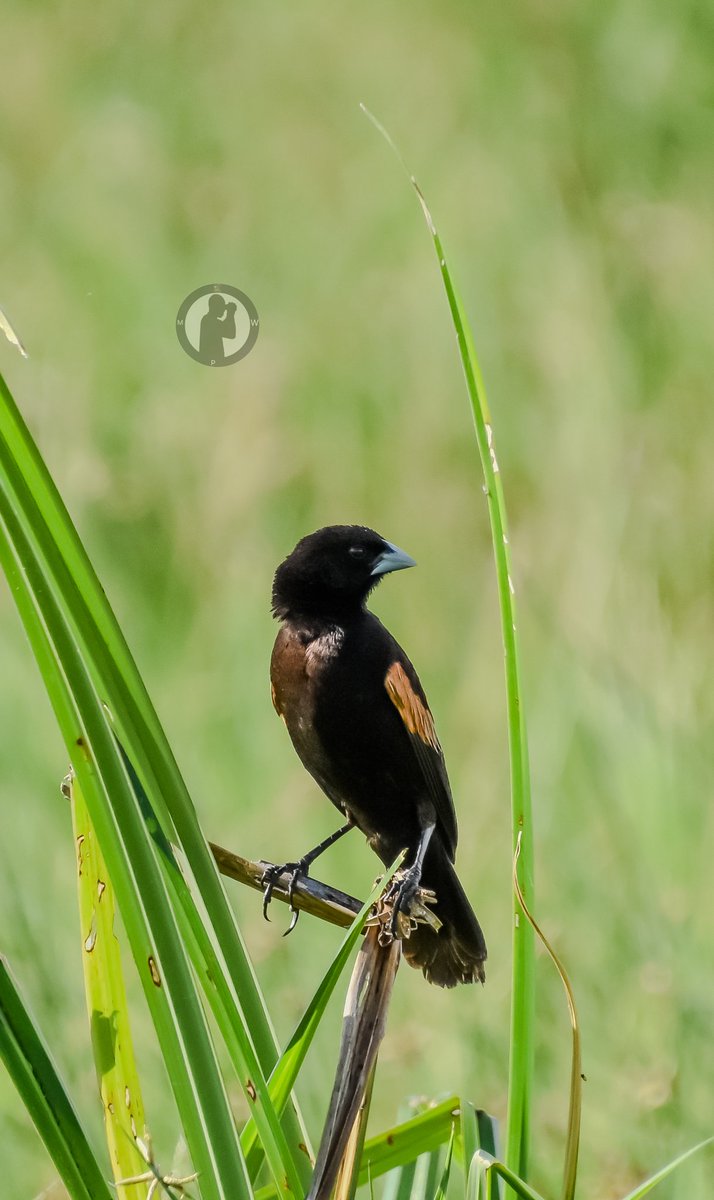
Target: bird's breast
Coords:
[[299, 659], [320, 650]]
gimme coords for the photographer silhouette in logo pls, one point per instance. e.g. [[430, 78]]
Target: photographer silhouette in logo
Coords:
[[217, 325], [215, 314]]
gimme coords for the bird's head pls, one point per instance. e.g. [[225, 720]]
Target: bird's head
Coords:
[[331, 572]]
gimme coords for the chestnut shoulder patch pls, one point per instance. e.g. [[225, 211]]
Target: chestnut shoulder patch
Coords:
[[410, 706]]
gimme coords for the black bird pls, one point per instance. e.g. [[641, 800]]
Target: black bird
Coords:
[[359, 721]]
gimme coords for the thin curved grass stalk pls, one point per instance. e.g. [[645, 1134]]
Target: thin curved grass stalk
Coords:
[[520, 1083], [572, 1139]]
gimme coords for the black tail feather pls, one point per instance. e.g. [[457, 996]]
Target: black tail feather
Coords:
[[457, 953]]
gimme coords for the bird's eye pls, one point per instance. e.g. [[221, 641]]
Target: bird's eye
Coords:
[[356, 551]]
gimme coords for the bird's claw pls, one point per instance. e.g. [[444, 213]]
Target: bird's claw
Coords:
[[270, 879], [293, 920], [400, 894]]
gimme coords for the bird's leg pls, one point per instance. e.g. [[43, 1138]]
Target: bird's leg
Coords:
[[301, 867], [403, 892]]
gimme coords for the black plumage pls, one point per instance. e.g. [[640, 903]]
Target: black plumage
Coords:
[[359, 721]]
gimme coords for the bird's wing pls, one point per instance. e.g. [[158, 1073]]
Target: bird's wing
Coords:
[[407, 696]]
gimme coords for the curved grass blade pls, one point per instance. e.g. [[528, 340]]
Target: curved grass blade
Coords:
[[36, 1078], [69, 573], [520, 1084], [572, 1139], [643, 1188], [117, 1075], [120, 685], [128, 849], [479, 1136], [482, 1174]]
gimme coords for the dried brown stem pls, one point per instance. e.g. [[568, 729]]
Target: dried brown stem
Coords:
[[363, 1027], [310, 896]]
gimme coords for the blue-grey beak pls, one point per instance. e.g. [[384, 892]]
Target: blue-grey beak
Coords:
[[392, 559]]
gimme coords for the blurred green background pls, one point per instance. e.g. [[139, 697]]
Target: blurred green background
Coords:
[[566, 152]]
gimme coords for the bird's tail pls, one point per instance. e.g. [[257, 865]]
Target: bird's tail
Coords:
[[456, 954]]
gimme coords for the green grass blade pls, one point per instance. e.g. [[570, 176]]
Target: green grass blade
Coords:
[[470, 1140], [487, 1132], [484, 1167], [520, 1085], [128, 849], [643, 1188], [572, 1139], [280, 1156], [69, 571], [265, 1121], [117, 1075], [479, 1134], [400, 1178], [403, 1143], [35, 1076], [399, 1183], [400, 1145], [442, 1189], [427, 1176]]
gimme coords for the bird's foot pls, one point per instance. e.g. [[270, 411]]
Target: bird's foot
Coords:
[[404, 906], [400, 895], [272, 876]]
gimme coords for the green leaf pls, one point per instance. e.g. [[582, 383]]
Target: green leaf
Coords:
[[426, 1177], [482, 1172], [470, 1138], [643, 1188], [36, 1078], [403, 1143], [572, 1138], [225, 1008], [399, 1183], [520, 1085], [68, 572], [479, 1138], [114, 1061], [446, 1171], [128, 848]]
